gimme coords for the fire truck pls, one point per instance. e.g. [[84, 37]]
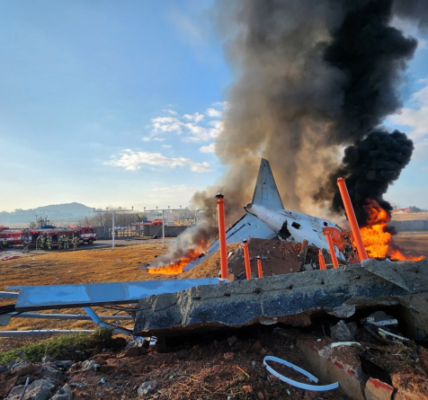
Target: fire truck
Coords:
[[16, 237]]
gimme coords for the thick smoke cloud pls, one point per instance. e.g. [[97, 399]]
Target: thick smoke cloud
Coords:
[[369, 168], [310, 78]]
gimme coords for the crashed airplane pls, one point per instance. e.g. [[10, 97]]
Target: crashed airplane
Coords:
[[266, 218]]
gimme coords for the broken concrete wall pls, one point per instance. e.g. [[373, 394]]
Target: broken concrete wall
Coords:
[[291, 299]]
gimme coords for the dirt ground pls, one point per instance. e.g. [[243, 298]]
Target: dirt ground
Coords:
[[412, 244]]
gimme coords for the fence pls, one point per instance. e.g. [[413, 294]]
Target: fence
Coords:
[[410, 225], [138, 231]]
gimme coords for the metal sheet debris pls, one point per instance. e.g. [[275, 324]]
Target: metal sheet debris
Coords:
[[60, 296], [42, 333], [8, 295]]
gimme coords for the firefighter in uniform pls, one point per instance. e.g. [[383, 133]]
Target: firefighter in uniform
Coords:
[[66, 242], [4, 243], [38, 242], [43, 241], [75, 243], [59, 242], [25, 249], [49, 242]]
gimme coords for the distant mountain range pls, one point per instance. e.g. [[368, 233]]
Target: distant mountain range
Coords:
[[70, 212]]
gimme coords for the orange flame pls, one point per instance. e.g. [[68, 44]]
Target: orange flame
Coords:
[[177, 267], [376, 238]]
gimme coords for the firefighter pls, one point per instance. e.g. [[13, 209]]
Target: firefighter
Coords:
[[38, 242], [49, 242], [43, 241], [59, 242], [25, 249], [4, 243], [65, 242], [75, 243]]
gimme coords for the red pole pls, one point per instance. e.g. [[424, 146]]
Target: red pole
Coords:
[[331, 248], [222, 236], [259, 267], [247, 259], [321, 259], [352, 219]]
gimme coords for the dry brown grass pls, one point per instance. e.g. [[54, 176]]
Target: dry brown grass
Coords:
[[85, 266]]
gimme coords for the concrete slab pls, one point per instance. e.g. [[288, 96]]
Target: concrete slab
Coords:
[[290, 299]]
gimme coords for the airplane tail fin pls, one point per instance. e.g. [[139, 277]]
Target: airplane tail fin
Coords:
[[266, 193]]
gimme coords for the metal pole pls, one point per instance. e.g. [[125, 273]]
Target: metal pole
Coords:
[[222, 236], [331, 248], [163, 228], [112, 230], [321, 259], [352, 219], [259, 267], [247, 259]]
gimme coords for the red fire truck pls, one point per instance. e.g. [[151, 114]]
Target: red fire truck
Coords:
[[15, 237]]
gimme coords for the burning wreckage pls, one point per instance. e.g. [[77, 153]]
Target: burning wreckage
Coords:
[[287, 249], [287, 252]]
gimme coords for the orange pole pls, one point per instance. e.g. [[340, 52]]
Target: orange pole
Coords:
[[247, 259], [222, 236], [352, 219], [259, 267], [321, 259], [331, 248]]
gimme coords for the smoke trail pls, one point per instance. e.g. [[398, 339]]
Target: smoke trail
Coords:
[[311, 77]]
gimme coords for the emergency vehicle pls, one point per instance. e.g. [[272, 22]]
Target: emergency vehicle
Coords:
[[15, 237]]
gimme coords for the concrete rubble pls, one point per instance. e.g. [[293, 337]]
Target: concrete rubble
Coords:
[[293, 299]]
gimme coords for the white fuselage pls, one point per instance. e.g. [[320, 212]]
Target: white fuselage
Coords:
[[300, 226]]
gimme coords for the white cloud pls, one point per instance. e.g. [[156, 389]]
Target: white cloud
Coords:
[[196, 117], [133, 160], [212, 112], [172, 112], [416, 118], [166, 124], [193, 127], [207, 149], [166, 146]]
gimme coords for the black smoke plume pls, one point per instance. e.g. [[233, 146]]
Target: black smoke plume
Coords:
[[369, 168]]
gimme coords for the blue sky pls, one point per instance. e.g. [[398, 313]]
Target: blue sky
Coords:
[[118, 103]]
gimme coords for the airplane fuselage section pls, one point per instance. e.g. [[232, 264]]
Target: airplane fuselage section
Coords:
[[294, 226]]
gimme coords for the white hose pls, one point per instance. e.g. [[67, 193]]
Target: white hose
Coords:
[[298, 369]]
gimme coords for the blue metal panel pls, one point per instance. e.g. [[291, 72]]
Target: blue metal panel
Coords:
[[65, 296]]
